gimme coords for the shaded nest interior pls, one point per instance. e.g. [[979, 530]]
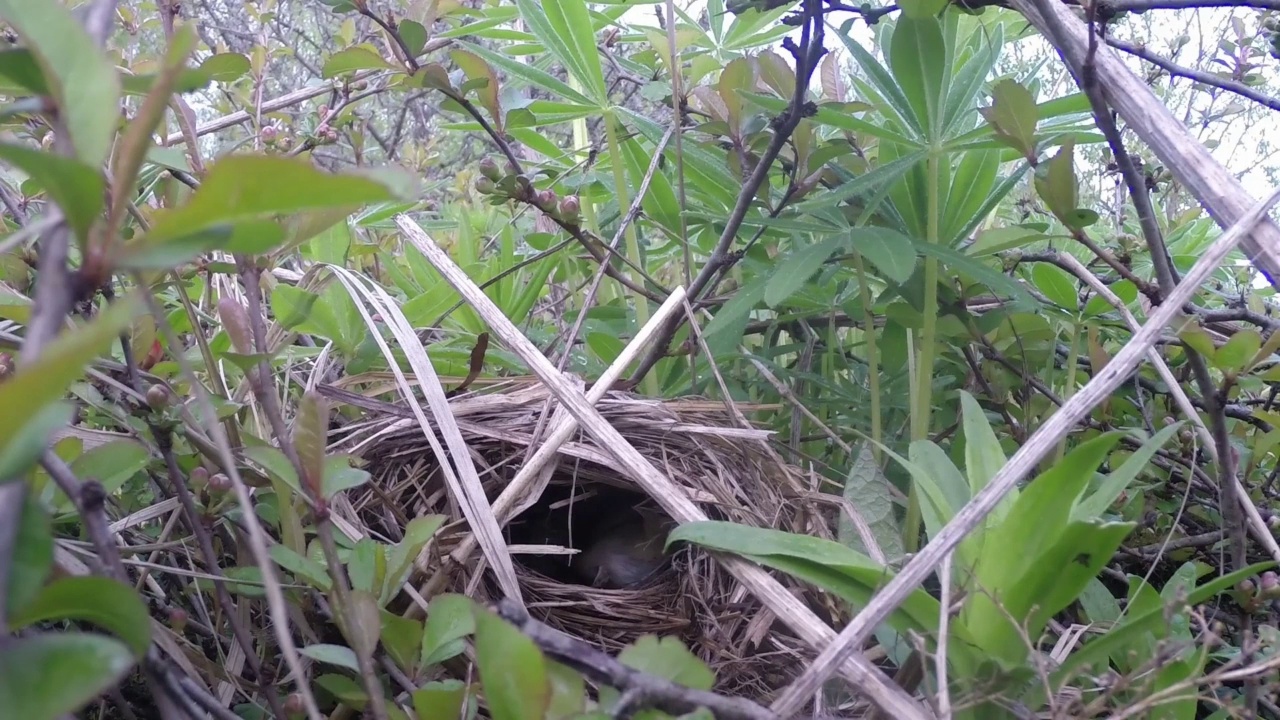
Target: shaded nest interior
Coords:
[[724, 468]]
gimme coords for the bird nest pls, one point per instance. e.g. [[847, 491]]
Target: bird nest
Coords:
[[725, 468]]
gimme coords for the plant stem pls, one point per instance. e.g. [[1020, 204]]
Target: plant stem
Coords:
[[650, 383], [873, 356], [922, 413]]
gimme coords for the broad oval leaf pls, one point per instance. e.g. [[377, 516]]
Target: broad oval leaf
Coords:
[[46, 676], [513, 671], [107, 603]]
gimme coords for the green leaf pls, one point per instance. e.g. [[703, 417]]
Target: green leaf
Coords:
[[732, 317], [46, 676], [531, 75], [1134, 625], [876, 179], [1013, 116], [19, 68], [513, 671], [400, 637], [996, 281], [983, 456], [568, 693], [247, 187], [1115, 483], [999, 239], [107, 603], [479, 72], [1030, 531], [868, 490], [922, 66], [301, 567], [444, 699], [449, 619], [338, 655], [112, 463], [1051, 583], [25, 447], [32, 557], [339, 475], [401, 556], [361, 57], [667, 658], [1057, 284], [565, 29], [367, 565], [1238, 351], [76, 187], [1057, 186], [225, 67], [84, 83], [829, 565], [34, 387], [276, 464], [793, 271], [414, 36], [888, 250], [1198, 340]]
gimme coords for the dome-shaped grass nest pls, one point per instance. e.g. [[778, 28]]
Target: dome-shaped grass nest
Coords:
[[726, 468]]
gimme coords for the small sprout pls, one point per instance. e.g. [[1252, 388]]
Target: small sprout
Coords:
[[293, 704], [490, 169], [269, 134], [158, 397], [177, 619]]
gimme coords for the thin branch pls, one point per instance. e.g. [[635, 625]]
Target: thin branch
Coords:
[[807, 55], [1199, 76]]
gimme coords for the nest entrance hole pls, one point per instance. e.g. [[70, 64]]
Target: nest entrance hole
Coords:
[[571, 516]]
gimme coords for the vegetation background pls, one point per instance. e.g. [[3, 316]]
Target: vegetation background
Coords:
[[974, 265]]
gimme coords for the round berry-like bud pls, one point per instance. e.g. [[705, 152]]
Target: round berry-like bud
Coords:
[[7, 366], [199, 476], [219, 483], [546, 199], [485, 186], [1270, 583], [322, 110], [177, 619], [1246, 586], [158, 397], [570, 208], [293, 704], [490, 169]]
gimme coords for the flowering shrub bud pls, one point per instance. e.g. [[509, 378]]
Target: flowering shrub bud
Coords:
[[570, 208], [490, 169]]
